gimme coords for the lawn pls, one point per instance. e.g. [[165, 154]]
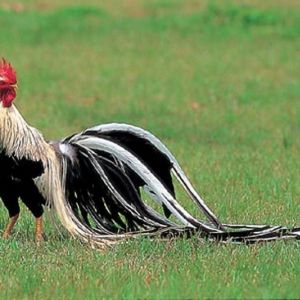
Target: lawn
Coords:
[[218, 82]]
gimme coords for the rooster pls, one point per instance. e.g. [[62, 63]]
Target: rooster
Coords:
[[94, 180]]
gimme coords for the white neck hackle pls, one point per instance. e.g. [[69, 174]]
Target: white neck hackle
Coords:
[[19, 139]]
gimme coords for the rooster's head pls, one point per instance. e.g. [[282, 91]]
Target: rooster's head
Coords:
[[8, 83]]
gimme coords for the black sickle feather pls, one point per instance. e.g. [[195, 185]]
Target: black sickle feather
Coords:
[[121, 208], [91, 194], [151, 156]]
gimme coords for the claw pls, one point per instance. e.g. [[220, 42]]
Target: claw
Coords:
[[10, 226]]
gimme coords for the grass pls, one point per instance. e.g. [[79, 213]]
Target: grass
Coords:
[[218, 83]]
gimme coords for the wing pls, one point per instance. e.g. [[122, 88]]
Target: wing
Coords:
[[16, 179], [19, 168]]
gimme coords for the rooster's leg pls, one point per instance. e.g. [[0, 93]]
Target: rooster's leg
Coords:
[[32, 198], [39, 229], [10, 226], [10, 200]]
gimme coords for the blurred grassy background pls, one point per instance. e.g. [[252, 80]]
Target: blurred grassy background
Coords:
[[218, 82]]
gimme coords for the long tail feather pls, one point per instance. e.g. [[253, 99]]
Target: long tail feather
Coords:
[[104, 168]]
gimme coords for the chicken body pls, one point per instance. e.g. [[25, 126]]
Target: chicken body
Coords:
[[93, 181]]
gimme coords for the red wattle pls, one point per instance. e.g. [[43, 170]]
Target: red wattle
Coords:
[[7, 96]]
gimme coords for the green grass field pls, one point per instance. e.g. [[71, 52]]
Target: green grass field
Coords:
[[218, 82]]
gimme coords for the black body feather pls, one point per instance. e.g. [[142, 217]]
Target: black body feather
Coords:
[[16, 181]]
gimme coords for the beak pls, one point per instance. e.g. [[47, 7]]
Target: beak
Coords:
[[15, 86]]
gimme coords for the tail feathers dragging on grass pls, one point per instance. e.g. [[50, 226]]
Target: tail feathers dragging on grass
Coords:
[[104, 170]]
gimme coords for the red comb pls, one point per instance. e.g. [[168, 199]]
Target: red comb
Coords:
[[7, 72]]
